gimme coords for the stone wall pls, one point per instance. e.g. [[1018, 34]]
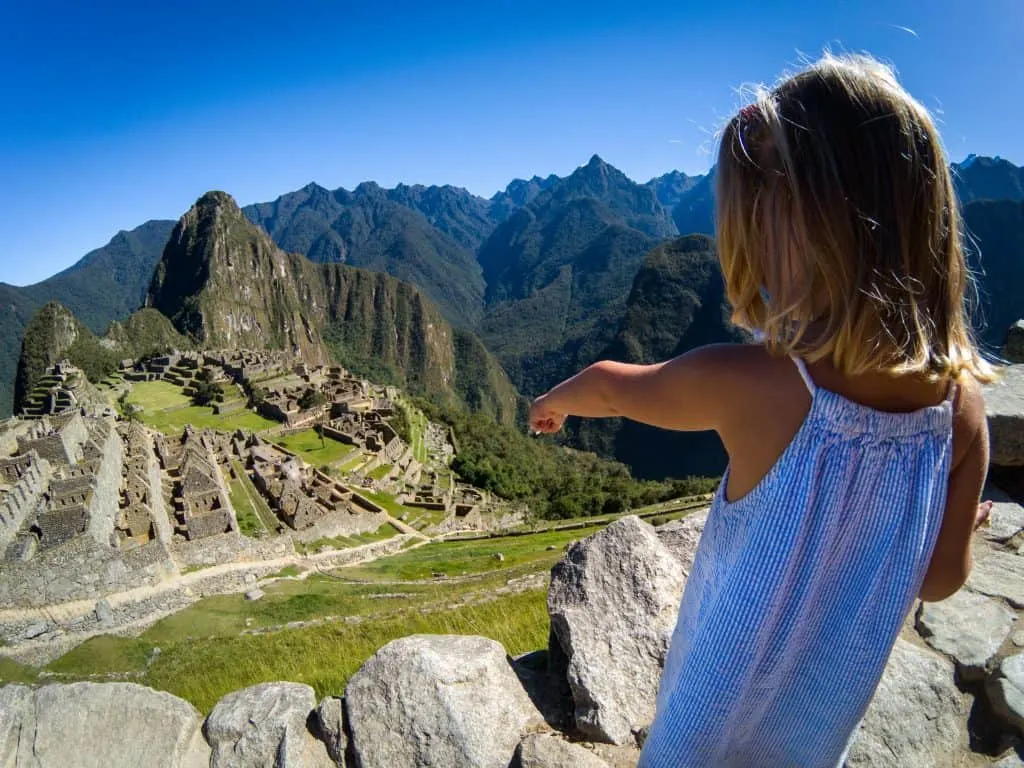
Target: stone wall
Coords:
[[106, 498], [229, 548], [82, 568], [23, 498]]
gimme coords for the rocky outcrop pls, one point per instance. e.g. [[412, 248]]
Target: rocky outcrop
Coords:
[[1013, 347], [98, 724], [1006, 691], [263, 726], [1004, 406], [917, 718], [968, 627], [613, 602], [330, 718], [438, 700], [544, 750]]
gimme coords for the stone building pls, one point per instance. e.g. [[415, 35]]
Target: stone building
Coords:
[[201, 506]]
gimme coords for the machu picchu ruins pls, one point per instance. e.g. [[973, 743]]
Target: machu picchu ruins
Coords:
[[95, 501]]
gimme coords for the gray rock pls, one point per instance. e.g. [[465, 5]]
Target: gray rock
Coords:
[[104, 613], [1005, 522], [1012, 760], [437, 700], [683, 536], [917, 718], [1004, 406], [330, 716], [35, 630], [613, 602], [1006, 691], [545, 750], [1017, 638], [999, 574], [100, 725], [254, 594], [265, 725], [17, 725], [967, 627], [1013, 347]]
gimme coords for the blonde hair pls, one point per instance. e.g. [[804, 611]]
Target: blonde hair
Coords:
[[838, 228]]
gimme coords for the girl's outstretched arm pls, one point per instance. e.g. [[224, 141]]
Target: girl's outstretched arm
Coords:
[[685, 393]]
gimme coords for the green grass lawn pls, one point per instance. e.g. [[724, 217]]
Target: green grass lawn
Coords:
[[13, 672], [385, 531], [167, 409], [157, 396], [380, 472], [421, 519], [258, 503], [306, 444], [203, 655], [249, 523], [454, 558]]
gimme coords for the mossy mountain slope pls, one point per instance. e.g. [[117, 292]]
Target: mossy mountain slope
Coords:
[[677, 303], [104, 285], [224, 283], [55, 333], [423, 235]]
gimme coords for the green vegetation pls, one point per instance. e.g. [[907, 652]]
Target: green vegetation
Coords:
[[380, 472], [106, 285], [254, 500], [165, 408], [104, 654], [206, 390], [249, 523], [556, 482], [13, 672], [287, 571], [307, 445], [456, 558], [311, 398]]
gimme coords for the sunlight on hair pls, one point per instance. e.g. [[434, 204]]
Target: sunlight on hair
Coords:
[[839, 232]]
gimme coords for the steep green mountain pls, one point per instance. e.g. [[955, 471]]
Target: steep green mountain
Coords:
[[366, 228], [558, 275], [105, 285], [54, 334], [988, 178], [694, 209], [677, 303], [223, 283], [996, 251], [518, 193]]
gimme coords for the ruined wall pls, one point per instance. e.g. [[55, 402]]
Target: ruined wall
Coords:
[[106, 498], [80, 569], [23, 498], [229, 548]]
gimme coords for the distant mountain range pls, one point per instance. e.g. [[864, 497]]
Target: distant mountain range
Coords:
[[550, 273]]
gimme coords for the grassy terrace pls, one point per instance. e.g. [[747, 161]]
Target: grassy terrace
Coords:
[[167, 409], [308, 447]]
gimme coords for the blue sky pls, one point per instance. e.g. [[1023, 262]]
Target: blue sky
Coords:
[[113, 113]]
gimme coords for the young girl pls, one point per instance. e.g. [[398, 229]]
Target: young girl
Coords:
[[856, 431]]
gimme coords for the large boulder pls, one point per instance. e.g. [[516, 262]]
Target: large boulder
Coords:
[[545, 750], [917, 718], [967, 627], [263, 726], [438, 700], [330, 716], [1004, 406], [1005, 522], [682, 537], [999, 573], [17, 725], [613, 603], [1006, 691], [98, 724]]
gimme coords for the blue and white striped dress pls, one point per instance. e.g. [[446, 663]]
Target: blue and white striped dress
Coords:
[[799, 589]]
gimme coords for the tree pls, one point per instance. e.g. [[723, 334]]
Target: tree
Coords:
[[312, 398], [206, 389]]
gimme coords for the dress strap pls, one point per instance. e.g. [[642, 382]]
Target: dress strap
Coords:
[[801, 367]]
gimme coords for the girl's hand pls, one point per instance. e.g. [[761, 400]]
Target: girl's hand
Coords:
[[544, 419], [982, 518]]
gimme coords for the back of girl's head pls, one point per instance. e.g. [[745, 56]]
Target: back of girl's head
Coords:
[[838, 228]]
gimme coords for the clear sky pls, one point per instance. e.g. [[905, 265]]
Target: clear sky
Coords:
[[112, 113]]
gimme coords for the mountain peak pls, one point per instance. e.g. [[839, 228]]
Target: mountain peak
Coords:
[[596, 162]]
